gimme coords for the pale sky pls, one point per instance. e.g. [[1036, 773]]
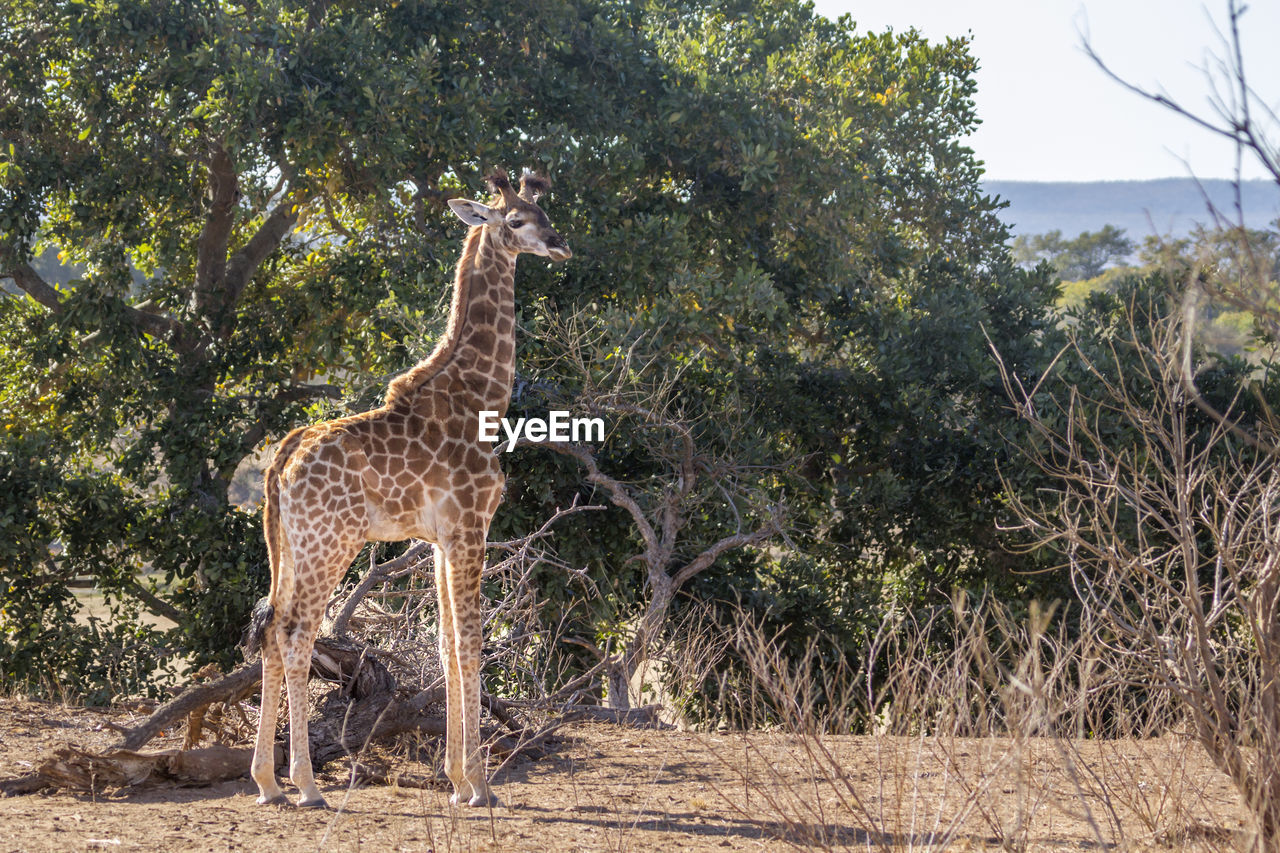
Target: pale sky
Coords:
[[1050, 114]]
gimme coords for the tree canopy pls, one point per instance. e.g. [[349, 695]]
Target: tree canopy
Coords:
[[780, 207]]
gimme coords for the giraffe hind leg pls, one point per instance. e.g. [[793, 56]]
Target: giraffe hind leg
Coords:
[[311, 592], [264, 753], [297, 670]]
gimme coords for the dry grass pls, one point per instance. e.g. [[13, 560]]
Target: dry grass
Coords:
[[1020, 737], [606, 788], [996, 743]]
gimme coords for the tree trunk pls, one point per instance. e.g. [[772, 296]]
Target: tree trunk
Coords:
[[623, 670], [619, 697]]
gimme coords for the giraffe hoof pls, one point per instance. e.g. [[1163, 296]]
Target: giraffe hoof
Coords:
[[486, 799], [278, 800], [317, 803]]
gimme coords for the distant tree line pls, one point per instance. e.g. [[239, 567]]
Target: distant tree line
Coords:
[[1082, 257], [1237, 253]]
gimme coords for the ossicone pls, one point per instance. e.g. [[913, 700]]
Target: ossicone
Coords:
[[501, 185], [533, 186], [498, 180]]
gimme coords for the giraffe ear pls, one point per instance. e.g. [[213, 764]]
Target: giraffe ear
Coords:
[[473, 212]]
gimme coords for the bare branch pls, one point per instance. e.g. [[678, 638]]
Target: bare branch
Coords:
[[545, 530], [1187, 376], [729, 543], [1235, 111], [1169, 531], [619, 494], [375, 575]]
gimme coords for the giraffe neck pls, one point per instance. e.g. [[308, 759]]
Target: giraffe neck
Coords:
[[478, 347]]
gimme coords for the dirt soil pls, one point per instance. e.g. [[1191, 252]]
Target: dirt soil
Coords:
[[604, 787]]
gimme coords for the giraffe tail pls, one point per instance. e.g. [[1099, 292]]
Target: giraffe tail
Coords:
[[271, 526], [263, 613], [265, 610]]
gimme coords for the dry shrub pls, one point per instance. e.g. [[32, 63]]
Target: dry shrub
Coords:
[[1170, 537], [1019, 724]]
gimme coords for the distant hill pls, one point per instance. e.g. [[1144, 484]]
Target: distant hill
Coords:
[[1165, 206]]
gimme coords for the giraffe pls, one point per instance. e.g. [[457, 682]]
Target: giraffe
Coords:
[[414, 467]]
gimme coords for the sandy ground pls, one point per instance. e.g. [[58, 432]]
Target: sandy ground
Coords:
[[610, 788]]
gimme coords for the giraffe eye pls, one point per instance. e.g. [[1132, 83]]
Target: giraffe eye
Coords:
[[516, 223]]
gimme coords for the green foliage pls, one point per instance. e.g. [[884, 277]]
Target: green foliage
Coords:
[[1234, 272], [1226, 258], [1073, 294], [45, 647], [781, 206]]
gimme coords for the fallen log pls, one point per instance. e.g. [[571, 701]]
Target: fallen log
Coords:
[[645, 717], [366, 704], [72, 768], [333, 660], [27, 783], [350, 723], [192, 700]]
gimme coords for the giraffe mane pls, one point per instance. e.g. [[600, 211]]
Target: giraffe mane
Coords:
[[404, 386]]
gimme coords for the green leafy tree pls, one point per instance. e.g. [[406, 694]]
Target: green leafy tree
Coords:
[[243, 188], [1239, 265], [782, 206]]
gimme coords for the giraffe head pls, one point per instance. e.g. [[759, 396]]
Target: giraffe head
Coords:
[[515, 219]]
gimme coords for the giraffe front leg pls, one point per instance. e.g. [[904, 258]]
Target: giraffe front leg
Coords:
[[473, 755], [297, 669], [453, 764], [464, 566], [264, 752]]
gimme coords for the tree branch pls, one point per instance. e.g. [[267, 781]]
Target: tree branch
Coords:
[[211, 249], [34, 285], [1188, 381], [729, 543], [245, 263], [332, 217], [1237, 122], [156, 325], [378, 572], [190, 700], [545, 529], [30, 281], [288, 394], [155, 603], [618, 493]]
